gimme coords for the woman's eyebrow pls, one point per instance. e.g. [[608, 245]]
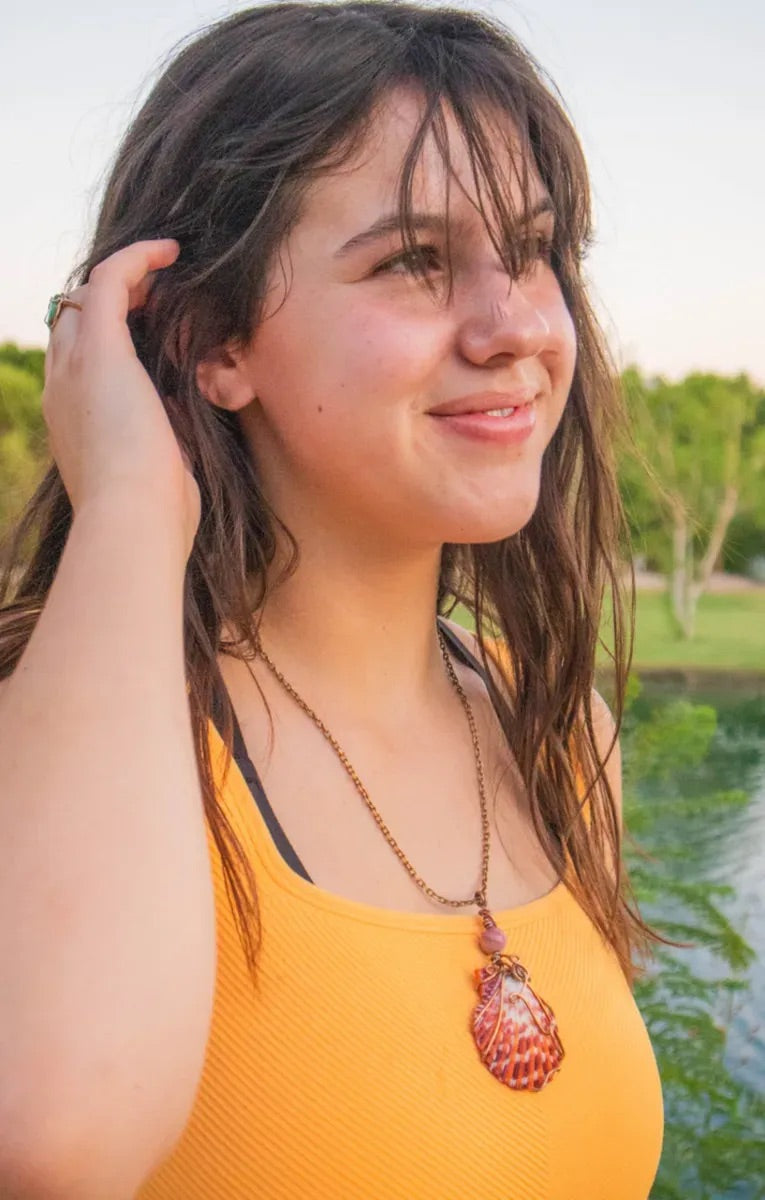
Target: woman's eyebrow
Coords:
[[423, 221]]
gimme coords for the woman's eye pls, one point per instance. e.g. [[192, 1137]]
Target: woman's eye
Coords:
[[407, 259], [542, 246], [539, 249]]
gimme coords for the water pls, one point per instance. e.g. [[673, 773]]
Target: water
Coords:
[[723, 846], [731, 848]]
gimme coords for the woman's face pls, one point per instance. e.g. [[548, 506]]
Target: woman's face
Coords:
[[351, 366]]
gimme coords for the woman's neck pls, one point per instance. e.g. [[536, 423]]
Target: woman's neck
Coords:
[[361, 622]]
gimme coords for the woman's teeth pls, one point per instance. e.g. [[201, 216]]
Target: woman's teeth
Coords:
[[499, 412]]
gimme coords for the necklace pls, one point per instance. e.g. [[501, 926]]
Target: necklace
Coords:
[[514, 1030]]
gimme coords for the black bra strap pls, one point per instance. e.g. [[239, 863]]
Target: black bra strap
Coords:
[[251, 777], [460, 649]]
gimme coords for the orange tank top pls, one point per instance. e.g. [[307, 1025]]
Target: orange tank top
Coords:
[[350, 1071]]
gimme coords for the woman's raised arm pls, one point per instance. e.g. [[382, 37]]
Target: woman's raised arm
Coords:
[[107, 923]]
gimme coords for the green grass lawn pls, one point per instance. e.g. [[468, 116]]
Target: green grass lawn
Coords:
[[730, 633]]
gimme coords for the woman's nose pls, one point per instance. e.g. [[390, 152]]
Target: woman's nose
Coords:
[[501, 321]]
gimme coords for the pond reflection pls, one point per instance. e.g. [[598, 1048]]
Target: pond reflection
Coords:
[[694, 764]]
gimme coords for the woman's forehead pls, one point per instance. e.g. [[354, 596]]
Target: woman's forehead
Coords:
[[367, 184]]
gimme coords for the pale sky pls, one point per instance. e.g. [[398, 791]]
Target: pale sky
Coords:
[[668, 98]]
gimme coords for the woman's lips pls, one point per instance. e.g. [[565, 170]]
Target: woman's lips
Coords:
[[485, 427]]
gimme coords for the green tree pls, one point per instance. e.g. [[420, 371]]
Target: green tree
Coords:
[[31, 360], [702, 442], [23, 448]]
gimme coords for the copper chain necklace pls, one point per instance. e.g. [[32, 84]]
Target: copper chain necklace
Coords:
[[514, 1030]]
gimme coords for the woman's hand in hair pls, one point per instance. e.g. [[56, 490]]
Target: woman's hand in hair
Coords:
[[108, 429]]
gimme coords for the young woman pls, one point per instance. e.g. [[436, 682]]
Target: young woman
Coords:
[[329, 367]]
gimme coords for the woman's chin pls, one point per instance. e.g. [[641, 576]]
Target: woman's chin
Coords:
[[489, 523], [483, 536]]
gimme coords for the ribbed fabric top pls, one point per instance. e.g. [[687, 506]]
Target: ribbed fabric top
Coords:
[[350, 1070]]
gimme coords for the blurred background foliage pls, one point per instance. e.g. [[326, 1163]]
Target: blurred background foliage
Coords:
[[23, 447], [697, 466]]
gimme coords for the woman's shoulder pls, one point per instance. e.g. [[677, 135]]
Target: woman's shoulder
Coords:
[[603, 723]]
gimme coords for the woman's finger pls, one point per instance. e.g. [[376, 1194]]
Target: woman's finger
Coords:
[[120, 283], [124, 282]]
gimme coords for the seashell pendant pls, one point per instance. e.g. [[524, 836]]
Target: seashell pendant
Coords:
[[514, 1029]]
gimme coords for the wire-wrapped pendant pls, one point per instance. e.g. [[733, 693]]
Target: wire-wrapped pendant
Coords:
[[515, 1031]]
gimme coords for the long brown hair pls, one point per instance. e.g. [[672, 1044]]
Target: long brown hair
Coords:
[[242, 119]]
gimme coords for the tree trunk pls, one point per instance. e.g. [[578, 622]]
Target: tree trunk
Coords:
[[688, 585], [679, 580], [691, 606], [725, 515]]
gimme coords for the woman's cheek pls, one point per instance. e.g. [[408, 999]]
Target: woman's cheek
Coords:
[[563, 343]]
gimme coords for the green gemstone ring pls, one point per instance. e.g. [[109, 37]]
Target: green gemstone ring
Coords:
[[55, 305]]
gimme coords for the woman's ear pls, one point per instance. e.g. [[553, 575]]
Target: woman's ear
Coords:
[[223, 379]]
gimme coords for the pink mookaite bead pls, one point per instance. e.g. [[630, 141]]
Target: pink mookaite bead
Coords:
[[492, 940]]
